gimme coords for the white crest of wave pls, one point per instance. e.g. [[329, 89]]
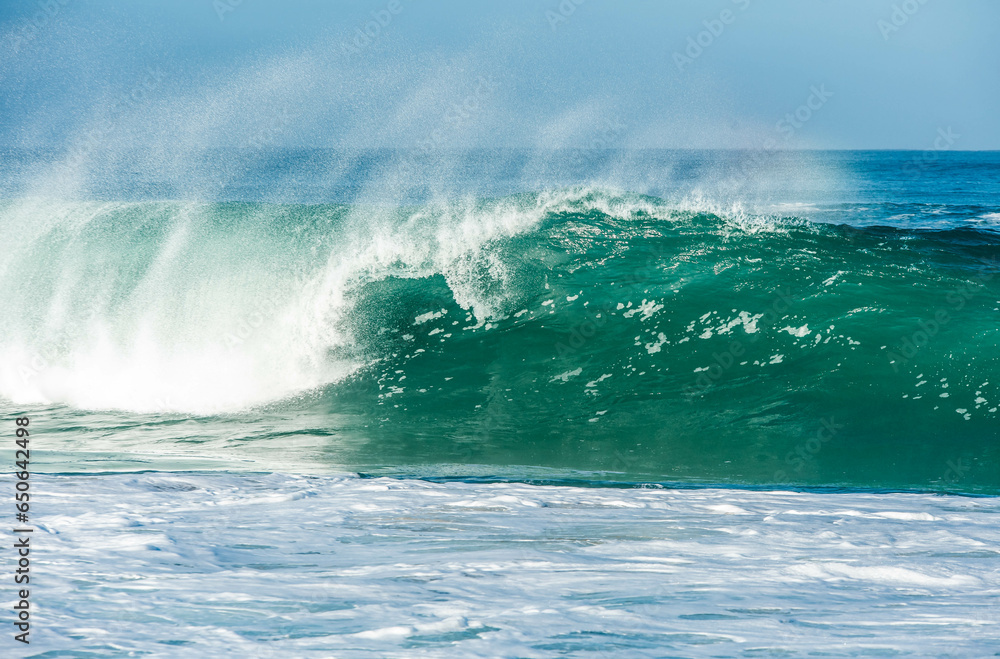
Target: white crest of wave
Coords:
[[214, 308], [209, 308]]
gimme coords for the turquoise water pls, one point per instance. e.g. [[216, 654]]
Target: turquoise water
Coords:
[[844, 337], [508, 403]]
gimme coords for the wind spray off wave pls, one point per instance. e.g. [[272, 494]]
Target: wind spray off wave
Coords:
[[206, 308], [578, 329]]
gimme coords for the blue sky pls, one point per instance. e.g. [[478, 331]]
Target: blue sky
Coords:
[[716, 73]]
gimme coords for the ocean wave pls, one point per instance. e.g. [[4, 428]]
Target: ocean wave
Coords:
[[618, 334], [211, 308]]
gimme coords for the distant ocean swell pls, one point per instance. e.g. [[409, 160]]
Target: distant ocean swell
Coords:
[[622, 336]]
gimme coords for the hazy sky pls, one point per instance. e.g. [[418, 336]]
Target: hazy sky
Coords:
[[713, 73]]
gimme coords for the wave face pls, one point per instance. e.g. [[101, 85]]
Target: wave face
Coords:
[[619, 336]]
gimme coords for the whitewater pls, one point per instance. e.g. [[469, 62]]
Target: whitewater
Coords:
[[512, 417], [269, 565]]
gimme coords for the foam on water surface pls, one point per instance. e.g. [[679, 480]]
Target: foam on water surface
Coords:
[[198, 564], [653, 339]]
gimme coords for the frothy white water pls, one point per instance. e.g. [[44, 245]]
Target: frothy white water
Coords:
[[209, 308], [265, 566], [989, 219], [151, 307]]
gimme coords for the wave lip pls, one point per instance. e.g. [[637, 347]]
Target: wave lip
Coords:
[[626, 336], [215, 308]]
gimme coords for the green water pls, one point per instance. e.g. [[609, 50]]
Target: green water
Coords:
[[592, 336]]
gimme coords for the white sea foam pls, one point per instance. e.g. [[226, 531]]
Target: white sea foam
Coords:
[[275, 565], [162, 307], [214, 322]]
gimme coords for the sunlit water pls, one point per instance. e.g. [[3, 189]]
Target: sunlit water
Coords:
[[505, 356]]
